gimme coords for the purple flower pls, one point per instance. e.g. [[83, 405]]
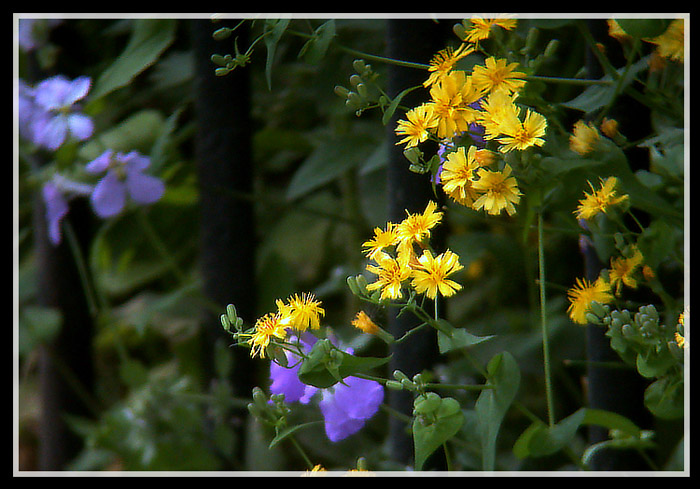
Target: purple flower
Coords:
[[345, 408], [56, 116], [56, 210], [124, 175]]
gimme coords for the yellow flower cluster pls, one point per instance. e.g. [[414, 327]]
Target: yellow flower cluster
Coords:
[[299, 312], [599, 201], [401, 258], [487, 97]]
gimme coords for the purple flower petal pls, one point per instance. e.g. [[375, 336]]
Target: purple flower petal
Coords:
[[56, 209], [109, 196], [144, 189], [81, 126], [359, 398], [50, 132], [101, 163], [51, 93], [77, 90], [338, 424]]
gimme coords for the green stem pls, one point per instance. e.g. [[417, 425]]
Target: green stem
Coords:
[[299, 448], [543, 318], [568, 81]]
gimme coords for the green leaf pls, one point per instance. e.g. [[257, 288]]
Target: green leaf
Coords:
[[322, 370], [389, 112], [429, 433], [644, 28], [664, 398], [461, 338], [315, 48], [597, 96], [492, 404], [282, 435], [329, 160], [149, 39], [273, 33]]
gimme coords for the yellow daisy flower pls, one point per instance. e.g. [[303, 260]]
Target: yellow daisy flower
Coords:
[[499, 191], [416, 227], [422, 121], [457, 175], [267, 327], [584, 138], [444, 61], [600, 200], [391, 274], [383, 238], [522, 135], [303, 311], [622, 270], [498, 107], [481, 28], [583, 294], [498, 74], [450, 99], [430, 275]]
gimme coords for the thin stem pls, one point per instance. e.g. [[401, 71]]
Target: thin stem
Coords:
[[299, 448], [568, 81], [543, 318]]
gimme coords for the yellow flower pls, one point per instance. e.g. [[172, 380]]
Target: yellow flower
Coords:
[[600, 200], [444, 61], [615, 31], [303, 311], [422, 121], [481, 28], [430, 275], [383, 238], [670, 44], [583, 138], [609, 127], [450, 99], [391, 274], [680, 340], [522, 135], [498, 74], [583, 294], [498, 107], [499, 191], [364, 323], [622, 270], [314, 471], [457, 175], [416, 227], [267, 327]]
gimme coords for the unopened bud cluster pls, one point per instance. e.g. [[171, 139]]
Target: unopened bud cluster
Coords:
[[362, 95]]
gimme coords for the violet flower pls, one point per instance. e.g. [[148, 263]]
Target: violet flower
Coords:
[[124, 175], [345, 408], [57, 116]]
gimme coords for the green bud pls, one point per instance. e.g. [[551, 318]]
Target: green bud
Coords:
[[359, 66], [399, 375], [628, 331], [355, 80], [221, 34], [231, 312], [352, 284], [259, 397], [592, 318], [459, 31], [217, 59], [551, 48], [426, 404], [221, 71], [531, 40], [341, 91], [362, 90], [225, 323], [598, 309], [361, 283], [394, 385]]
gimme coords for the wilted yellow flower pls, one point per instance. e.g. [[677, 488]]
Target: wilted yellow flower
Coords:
[[481, 28], [599, 200], [383, 238], [583, 294], [622, 270], [303, 311], [584, 137], [391, 274], [499, 191], [670, 44], [431, 274], [457, 175], [444, 61], [422, 121], [498, 74], [364, 323], [609, 127]]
